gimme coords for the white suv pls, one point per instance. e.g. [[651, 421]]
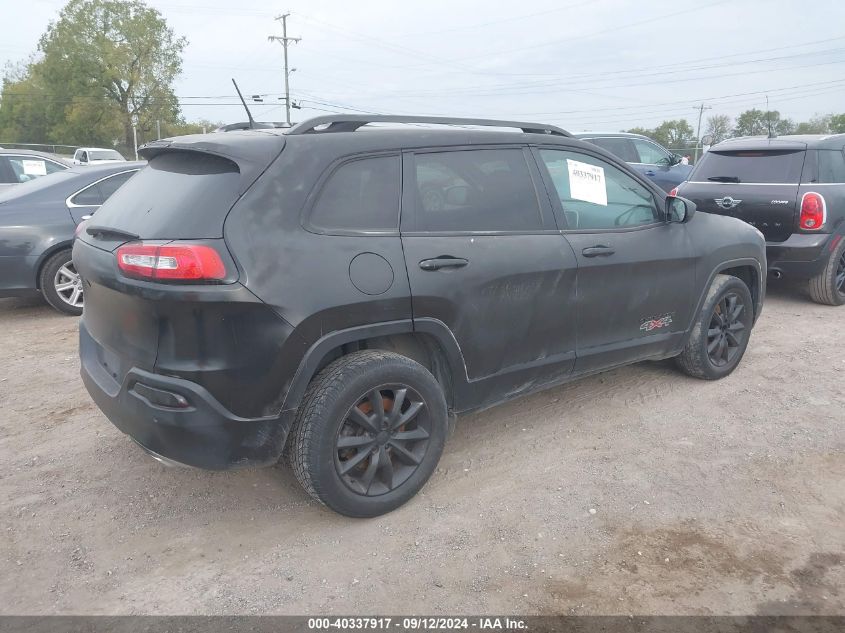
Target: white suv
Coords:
[[96, 156]]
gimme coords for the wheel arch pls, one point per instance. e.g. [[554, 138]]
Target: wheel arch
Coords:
[[752, 276], [426, 341], [46, 255]]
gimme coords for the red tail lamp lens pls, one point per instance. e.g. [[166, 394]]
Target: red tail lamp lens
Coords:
[[172, 262], [813, 211]]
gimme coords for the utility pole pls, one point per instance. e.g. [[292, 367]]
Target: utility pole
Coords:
[[284, 39], [701, 110]]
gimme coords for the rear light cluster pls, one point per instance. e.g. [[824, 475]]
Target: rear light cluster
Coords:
[[813, 211], [170, 262]]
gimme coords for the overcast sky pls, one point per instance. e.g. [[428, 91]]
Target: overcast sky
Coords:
[[582, 64]]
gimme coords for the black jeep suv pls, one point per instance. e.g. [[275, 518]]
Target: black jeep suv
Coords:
[[339, 292], [792, 188]]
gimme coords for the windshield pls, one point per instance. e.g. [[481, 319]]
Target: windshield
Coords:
[[758, 166], [104, 154]]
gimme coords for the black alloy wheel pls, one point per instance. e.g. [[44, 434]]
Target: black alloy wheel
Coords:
[[382, 440], [726, 333]]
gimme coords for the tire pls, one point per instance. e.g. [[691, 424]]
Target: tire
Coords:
[[59, 283], [339, 448], [828, 287], [705, 355]]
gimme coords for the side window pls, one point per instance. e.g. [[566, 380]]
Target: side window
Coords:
[[7, 174], [89, 197], [110, 185], [29, 167], [475, 190], [83, 157], [597, 195], [618, 146], [831, 166], [361, 195], [650, 154]]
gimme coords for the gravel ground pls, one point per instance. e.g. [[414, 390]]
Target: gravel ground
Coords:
[[639, 491]]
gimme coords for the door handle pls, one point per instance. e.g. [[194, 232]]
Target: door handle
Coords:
[[444, 261], [598, 251], [649, 173]]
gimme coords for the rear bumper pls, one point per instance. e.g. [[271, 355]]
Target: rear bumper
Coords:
[[801, 256], [195, 430]]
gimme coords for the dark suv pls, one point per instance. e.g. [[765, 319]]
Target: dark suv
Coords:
[[792, 188], [342, 292]]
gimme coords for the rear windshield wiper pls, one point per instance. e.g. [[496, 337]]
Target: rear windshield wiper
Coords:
[[103, 231], [724, 179]]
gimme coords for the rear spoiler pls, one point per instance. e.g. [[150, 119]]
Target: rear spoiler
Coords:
[[252, 152]]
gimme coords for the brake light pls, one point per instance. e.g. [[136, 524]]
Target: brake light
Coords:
[[172, 262], [813, 211], [673, 193]]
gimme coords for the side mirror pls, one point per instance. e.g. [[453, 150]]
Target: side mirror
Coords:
[[707, 139], [679, 210]]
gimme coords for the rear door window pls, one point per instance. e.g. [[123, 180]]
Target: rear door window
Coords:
[[618, 146], [475, 190], [758, 166], [359, 196], [831, 166]]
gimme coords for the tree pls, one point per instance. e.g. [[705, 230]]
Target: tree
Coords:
[[837, 123], [756, 122], [819, 124], [676, 134], [719, 127], [105, 64]]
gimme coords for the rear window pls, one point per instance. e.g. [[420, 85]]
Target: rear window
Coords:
[[759, 166], [178, 195]]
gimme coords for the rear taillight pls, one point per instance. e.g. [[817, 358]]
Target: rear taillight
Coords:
[[673, 193], [813, 211], [171, 262]]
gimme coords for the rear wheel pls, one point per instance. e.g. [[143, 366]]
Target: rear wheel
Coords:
[[368, 433], [720, 334], [828, 287], [61, 285]]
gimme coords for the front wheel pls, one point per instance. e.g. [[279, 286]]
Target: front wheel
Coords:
[[721, 332], [368, 433], [61, 285], [828, 287]]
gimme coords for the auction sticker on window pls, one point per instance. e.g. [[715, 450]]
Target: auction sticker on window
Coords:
[[34, 167], [586, 182]]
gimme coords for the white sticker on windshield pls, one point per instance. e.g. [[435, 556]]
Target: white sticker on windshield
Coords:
[[34, 167], [586, 182]]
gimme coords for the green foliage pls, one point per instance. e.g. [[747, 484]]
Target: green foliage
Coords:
[[756, 122], [677, 134], [837, 123], [816, 125], [103, 65]]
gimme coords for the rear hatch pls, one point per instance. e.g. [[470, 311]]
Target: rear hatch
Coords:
[[757, 185], [183, 194]]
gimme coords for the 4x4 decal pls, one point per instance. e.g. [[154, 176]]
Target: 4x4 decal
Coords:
[[656, 323]]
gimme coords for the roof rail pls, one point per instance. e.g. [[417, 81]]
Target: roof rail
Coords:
[[351, 122]]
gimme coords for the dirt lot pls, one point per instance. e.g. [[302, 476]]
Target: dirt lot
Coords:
[[638, 491]]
